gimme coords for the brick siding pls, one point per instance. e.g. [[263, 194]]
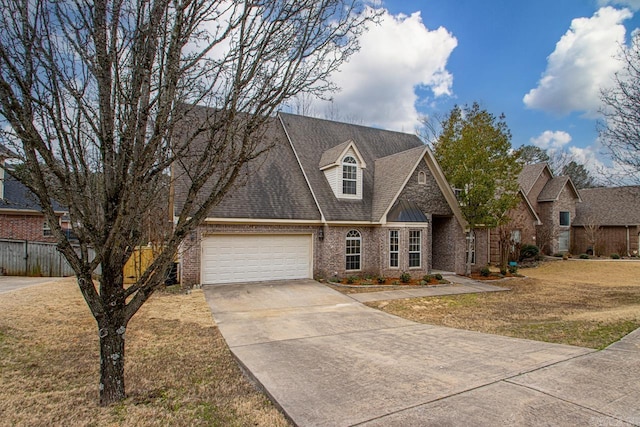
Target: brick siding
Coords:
[[23, 227]]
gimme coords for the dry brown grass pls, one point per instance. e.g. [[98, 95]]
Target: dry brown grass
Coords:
[[179, 370], [584, 303]]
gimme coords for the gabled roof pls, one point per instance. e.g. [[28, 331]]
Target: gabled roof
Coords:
[[17, 197], [530, 207], [333, 156], [553, 188], [311, 138], [618, 206], [391, 173], [530, 174]]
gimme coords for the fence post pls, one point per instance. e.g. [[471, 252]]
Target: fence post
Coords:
[[26, 258]]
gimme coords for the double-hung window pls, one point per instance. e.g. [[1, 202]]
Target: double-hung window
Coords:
[[353, 250], [394, 249], [415, 245], [349, 175], [565, 218]]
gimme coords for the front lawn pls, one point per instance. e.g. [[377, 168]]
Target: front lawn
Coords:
[[584, 303], [179, 371]]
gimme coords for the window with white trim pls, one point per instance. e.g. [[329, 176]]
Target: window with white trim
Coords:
[[415, 248], [394, 249], [46, 229], [349, 176], [353, 250]]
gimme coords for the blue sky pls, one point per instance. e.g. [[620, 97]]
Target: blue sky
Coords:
[[540, 62]]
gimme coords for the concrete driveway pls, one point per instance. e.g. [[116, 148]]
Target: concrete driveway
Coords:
[[328, 360], [13, 283]]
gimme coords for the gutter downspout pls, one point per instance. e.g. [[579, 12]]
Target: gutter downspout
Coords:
[[628, 241]]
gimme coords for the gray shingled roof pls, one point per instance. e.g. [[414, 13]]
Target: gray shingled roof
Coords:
[[553, 188], [19, 197], [618, 206], [312, 137], [330, 156], [275, 187], [529, 176], [389, 175]]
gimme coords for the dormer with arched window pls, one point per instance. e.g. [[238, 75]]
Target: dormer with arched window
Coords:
[[342, 166]]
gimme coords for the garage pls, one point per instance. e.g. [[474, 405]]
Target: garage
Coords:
[[228, 258]]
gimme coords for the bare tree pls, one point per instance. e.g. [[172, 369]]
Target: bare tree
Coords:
[[592, 231], [620, 128], [94, 95]]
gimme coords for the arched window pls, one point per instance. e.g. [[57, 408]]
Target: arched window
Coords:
[[422, 177], [349, 175], [353, 250]]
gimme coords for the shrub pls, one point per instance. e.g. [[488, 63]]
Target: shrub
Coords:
[[405, 277], [438, 276], [423, 282], [529, 251], [395, 283], [351, 280], [381, 280], [584, 256], [558, 255], [513, 269], [615, 256], [484, 272], [503, 271], [427, 278]]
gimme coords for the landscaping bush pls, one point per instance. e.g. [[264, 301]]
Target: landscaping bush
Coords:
[[351, 280], [484, 272], [558, 255], [427, 278], [615, 256], [584, 256], [513, 269], [381, 280], [529, 251], [405, 277], [438, 276]]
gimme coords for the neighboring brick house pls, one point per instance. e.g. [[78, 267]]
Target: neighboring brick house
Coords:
[[20, 216], [329, 199], [607, 221], [545, 214]]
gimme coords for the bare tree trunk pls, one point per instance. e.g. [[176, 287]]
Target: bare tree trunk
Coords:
[[111, 362]]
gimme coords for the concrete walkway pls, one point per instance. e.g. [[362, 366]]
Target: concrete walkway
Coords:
[[328, 360], [469, 286], [13, 283]]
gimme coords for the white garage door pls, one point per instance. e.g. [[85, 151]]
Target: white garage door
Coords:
[[228, 258]]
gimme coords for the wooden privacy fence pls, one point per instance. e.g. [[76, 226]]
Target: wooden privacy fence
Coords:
[[24, 258], [140, 260]]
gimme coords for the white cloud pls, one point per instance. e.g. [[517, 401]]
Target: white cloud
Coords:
[[582, 63], [378, 84], [551, 140], [632, 4]]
